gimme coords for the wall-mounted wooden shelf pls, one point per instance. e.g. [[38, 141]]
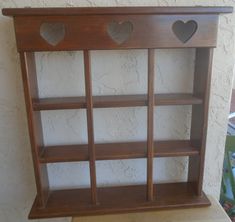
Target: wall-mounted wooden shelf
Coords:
[[86, 29]]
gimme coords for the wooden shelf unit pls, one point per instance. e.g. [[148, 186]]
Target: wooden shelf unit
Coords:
[[86, 29]]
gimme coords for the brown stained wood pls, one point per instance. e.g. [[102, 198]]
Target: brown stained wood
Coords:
[[117, 151], [58, 29], [114, 10], [90, 127], [150, 124], [202, 81], [115, 101], [124, 199], [34, 125], [91, 32], [214, 213]]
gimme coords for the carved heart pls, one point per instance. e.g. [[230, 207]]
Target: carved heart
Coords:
[[184, 30], [53, 33], [119, 31]]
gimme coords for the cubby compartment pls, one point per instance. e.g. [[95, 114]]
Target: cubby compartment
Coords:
[[64, 127], [171, 169], [122, 172], [62, 175], [60, 74], [174, 71], [172, 122], [118, 125], [119, 72], [64, 141], [153, 62]]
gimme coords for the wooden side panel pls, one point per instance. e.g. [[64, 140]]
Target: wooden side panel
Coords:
[[202, 81], [34, 125], [115, 32]]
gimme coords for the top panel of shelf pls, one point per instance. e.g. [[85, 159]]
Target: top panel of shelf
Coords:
[[114, 10], [67, 29]]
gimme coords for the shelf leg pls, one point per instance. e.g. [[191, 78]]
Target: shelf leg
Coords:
[[90, 127]]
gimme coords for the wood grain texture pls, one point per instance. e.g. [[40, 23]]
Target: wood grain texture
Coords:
[[116, 151], [115, 101], [214, 213], [90, 32], [125, 199], [199, 123], [29, 78]]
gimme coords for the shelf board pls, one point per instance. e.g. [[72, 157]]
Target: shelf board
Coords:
[[115, 101], [113, 151], [76, 202], [60, 11]]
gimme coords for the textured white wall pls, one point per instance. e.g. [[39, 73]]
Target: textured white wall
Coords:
[[114, 72]]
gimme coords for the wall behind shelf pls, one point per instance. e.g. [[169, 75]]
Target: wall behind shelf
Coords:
[[17, 187]]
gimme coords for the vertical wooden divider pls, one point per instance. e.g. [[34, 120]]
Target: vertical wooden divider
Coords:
[[201, 88], [150, 125], [28, 69], [90, 126]]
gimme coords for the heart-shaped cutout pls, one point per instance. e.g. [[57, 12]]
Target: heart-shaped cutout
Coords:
[[120, 31], [52, 33], [184, 30]]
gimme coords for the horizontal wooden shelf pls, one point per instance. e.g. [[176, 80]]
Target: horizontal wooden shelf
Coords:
[[62, 203], [113, 151], [115, 101]]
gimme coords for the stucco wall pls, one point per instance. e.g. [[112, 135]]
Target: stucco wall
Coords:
[[114, 72]]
